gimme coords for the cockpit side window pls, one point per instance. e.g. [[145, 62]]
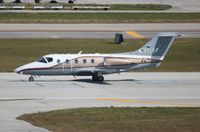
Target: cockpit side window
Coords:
[[49, 59], [42, 60]]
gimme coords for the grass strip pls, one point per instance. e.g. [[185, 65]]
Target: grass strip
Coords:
[[118, 119], [183, 56], [139, 7], [99, 17]]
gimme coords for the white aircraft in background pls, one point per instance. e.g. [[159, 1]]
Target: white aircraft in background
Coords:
[[97, 65]]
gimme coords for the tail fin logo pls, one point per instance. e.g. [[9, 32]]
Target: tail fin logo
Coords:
[[148, 49]]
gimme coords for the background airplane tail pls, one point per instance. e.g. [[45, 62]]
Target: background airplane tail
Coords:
[[157, 46]]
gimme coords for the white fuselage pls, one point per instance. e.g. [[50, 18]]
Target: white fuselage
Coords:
[[86, 64], [96, 65]]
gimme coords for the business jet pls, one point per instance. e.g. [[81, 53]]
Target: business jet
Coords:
[[97, 65]]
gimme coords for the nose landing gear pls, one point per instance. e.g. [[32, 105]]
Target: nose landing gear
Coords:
[[31, 79]]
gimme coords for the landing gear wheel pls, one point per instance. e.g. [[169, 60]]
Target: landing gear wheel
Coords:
[[94, 78], [31, 79], [100, 78], [97, 77]]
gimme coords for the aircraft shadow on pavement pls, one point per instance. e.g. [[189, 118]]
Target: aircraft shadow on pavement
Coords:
[[106, 82], [38, 81], [122, 80], [91, 81], [77, 80]]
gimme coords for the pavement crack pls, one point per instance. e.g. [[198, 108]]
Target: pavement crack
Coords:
[[39, 84], [23, 99], [138, 82], [43, 102], [78, 85]]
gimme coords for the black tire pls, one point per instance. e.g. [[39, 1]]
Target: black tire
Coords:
[[31, 79], [70, 2], [97, 77], [94, 77], [100, 78]]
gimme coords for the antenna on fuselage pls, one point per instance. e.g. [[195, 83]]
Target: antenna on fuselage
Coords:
[[80, 52]]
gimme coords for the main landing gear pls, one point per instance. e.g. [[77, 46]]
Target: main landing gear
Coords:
[[31, 79], [97, 77]]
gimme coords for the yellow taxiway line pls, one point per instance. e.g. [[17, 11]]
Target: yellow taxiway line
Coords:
[[142, 102], [135, 34]]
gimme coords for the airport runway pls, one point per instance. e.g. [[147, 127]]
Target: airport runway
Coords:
[[88, 35], [18, 96], [173, 10], [178, 5], [96, 31], [147, 27]]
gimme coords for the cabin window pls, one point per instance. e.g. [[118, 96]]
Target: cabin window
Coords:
[[92, 60], [42, 60], [67, 61], [58, 61], [76, 61], [49, 59], [84, 61]]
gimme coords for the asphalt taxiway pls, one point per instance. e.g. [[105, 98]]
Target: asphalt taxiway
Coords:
[[177, 5], [147, 27], [96, 31], [18, 96], [88, 35]]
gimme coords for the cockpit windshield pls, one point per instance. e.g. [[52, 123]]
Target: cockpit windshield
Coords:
[[42, 60], [49, 59]]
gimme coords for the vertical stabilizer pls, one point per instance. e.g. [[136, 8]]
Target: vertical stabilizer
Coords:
[[157, 46]]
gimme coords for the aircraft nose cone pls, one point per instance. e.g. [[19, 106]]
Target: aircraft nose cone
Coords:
[[18, 70]]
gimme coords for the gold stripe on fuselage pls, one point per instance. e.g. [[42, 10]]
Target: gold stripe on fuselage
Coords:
[[101, 61]]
